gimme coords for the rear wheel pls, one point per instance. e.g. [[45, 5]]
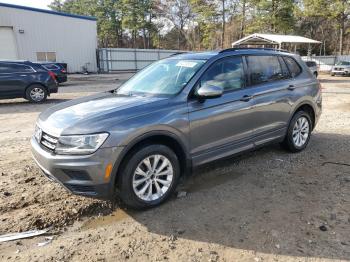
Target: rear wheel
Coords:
[[149, 176], [36, 93], [299, 132]]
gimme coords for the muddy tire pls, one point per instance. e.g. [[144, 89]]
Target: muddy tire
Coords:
[[149, 177]]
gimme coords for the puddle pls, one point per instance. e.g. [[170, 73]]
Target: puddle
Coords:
[[115, 217], [203, 182]]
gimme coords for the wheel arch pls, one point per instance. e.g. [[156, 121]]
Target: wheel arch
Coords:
[[155, 137], [307, 107], [35, 83]]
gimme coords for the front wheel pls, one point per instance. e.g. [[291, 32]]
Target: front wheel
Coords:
[[299, 132], [149, 176], [36, 93]]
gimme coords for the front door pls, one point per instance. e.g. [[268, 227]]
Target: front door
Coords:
[[14, 79], [221, 126]]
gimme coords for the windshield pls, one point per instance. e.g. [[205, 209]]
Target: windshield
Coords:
[[165, 77], [343, 63]]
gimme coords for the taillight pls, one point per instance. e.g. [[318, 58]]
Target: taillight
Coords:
[[53, 76], [63, 70]]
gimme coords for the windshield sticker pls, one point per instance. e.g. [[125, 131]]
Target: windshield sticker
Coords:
[[189, 64]]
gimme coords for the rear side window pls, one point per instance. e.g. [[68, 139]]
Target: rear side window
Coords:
[[51, 66], [293, 66], [226, 73], [264, 69], [310, 63], [15, 68]]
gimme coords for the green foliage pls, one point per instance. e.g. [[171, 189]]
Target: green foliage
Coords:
[[209, 24]]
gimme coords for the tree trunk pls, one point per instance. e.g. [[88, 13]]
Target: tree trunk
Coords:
[[223, 24], [243, 19]]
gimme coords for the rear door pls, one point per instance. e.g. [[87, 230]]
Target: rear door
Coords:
[[271, 85], [14, 78], [221, 126]]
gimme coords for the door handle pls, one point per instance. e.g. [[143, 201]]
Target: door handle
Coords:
[[246, 98], [291, 87]]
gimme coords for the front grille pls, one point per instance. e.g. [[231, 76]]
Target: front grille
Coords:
[[48, 142]]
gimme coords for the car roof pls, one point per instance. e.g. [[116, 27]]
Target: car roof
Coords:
[[14, 61], [232, 51], [45, 63]]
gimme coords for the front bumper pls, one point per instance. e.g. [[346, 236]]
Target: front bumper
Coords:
[[80, 174]]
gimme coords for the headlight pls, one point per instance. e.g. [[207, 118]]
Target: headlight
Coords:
[[80, 145]]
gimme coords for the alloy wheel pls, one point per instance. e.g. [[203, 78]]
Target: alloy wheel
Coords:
[[37, 94], [152, 177], [301, 131]]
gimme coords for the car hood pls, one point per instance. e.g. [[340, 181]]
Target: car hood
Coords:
[[85, 115]]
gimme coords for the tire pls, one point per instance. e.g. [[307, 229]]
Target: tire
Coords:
[[291, 141], [332, 74], [129, 182], [36, 93], [316, 74]]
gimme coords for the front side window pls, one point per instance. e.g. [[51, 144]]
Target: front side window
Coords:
[[264, 69], [165, 77], [293, 66], [15, 68], [227, 74]]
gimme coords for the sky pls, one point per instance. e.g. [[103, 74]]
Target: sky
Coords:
[[42, 4]]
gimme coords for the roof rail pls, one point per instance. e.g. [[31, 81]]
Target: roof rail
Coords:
[[252, 48], [178, 53]]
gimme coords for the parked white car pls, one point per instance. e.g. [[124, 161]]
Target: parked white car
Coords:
[[341, 68]]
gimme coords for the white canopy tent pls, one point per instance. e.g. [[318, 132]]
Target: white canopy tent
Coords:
[[271, 39]]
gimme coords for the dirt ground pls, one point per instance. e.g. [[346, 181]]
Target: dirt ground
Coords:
[[266, 205]]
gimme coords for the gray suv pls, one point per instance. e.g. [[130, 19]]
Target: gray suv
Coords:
[[135, 142]]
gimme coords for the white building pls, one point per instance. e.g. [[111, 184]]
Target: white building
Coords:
[[43, 35]]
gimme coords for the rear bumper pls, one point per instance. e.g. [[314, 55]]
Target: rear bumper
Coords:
[[82, 175], [62, 78], [52, 87]]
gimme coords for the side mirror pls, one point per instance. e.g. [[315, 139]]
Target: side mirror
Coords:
[[209, 91]]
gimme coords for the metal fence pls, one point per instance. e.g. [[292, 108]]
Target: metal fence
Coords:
[[127, 59], [325, 63]]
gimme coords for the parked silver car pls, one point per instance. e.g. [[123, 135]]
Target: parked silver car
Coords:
[[341, 68], [176, 114]]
